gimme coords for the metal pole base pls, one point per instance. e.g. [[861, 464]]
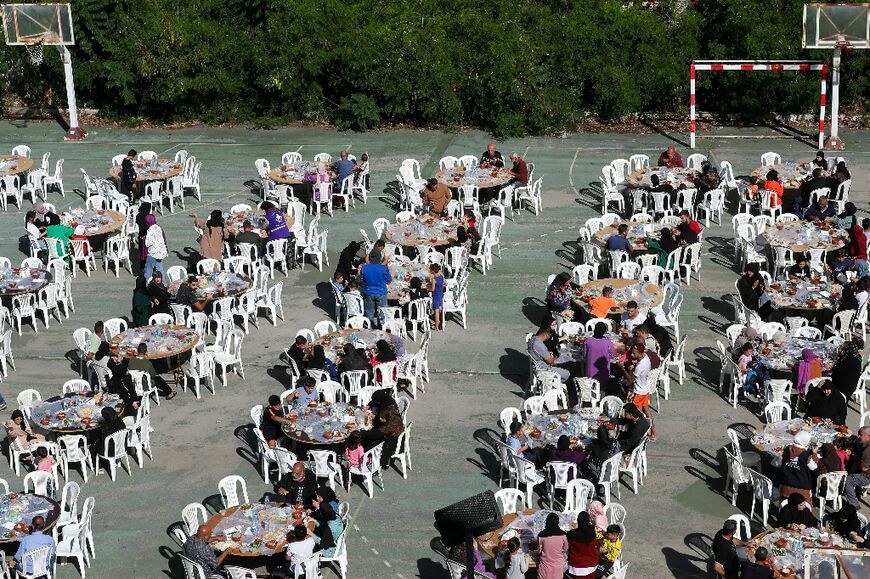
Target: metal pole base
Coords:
[[834, 143], [75, 134]]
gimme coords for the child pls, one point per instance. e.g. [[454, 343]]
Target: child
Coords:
[[45, 464], [515, 563], [609, 546], [354, 306], [436, 282], [354, 451]]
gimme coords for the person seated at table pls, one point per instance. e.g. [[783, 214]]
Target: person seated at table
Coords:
[[582, 549], [797, 515], [809, 368], [552, 548], [199, 551], [34, 232], [491, 157], [397, 344], [827, 403], [459, 555], [857, 250], [649, 331], [664, 245], [520, 171], [384, 353], [543, 359], [566, 451], [602, 447], [847, 219], [349, 260], [512, 560], [820, 161], [416, 291], [600, 352], [329, 526], [609, 548], [18, 431], [631, 318], [752, 292], [773, 185], [661, 187], [463, 240], [847, 366], [34, 540], [436, 196], [141, 309], [159, 294], [840, 174], [387, 425], [829, 459], [111, 424], [344, 167], [120, 381], [353, 359], [746, 363], [273, 418], [619, 241], [354, 451], [300, 546], [725, 560], [637, 425], [141, 363], [800, 270], [44, 217], [214, 234], [186, 295], [820, 211], [798, 466], [761, 568], [706, 181], [520, 447], [600, 306], [688, 230], [818, 181], [670, 158], [98, 347], [296, 487], [319, 361], [560, 293], [247, 235], [305, 392], [376, 255], [846, 523]]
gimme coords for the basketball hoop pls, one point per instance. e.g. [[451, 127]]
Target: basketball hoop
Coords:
[[34, 51]]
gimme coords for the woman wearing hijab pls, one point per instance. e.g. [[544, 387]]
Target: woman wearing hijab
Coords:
[[841, 173], [568, 452], [141, 303], [111, 424], [348, 260], [144, 209], [751, 289], [847, 219], [214, 234], [463, 239], [582, 549], [747, 334], [857, 249], [458, 554], [383, 355], [353, 360], [664, 245], [596, 513], [603, 446], [827, 403], [559, 293], [319, 361], [797, 515], [388, 425], [552, 546], [830, 460], [120, 380], [329, 526], [599, 353], [846, 523], [798, 464], [847, 368], [809, 368]]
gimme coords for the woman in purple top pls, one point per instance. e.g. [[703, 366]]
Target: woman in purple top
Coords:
[[599, 353], [565, 452], [479, 569], [277, 224]]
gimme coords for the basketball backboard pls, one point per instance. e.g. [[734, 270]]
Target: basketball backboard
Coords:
[[50, 24], [832, 25]]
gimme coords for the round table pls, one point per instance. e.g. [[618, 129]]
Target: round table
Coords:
[[638, 234], [786, 547], [642, 178], [545, 430], [234, 222], [18, 281], [64, 414], [805, 296], [791, 173], [481, 178], [14, 164], [294, 174], [423, 230], [164, 341], [217, 285], [166, 168], [333, 342], [801, 236], [785, 356], [526, 526], [647, 295], [325, 423], [774, 437], [254, 530], [402, 272], [96, 223], [20, 508]]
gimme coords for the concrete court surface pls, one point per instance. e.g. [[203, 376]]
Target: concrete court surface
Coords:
[[476, 372]]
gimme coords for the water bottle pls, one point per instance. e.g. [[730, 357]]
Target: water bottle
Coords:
[[154, 163]]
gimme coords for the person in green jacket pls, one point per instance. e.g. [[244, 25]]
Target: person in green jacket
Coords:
[[141, 303], [61, 232]]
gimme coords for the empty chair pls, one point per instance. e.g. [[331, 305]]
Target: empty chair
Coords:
[[770, 158], [233, 491]]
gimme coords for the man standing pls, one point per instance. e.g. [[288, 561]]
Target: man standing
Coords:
[[860, 477], [436, 196], [520, 170], [197, 549], [670, 158], [374, 277], [128, 173], [29, 543], [491, 157]]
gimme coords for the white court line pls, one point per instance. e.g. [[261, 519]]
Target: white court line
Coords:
[[300, 148], [526, 152], [571, 170]]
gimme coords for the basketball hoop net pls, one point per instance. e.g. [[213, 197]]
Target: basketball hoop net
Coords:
[[34, 46]]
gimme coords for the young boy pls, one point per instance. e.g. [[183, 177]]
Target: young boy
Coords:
[[609, 546]]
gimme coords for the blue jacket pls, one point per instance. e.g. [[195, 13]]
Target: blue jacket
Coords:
[[375, 277]]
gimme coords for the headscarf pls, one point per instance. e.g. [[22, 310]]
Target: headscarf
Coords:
[[561, 279], [846, 520], [551, 527], [847, 350], [748, 334], [795, 499], [600, 330], [385, 352], [461, 235], [585, 531], [830, 459], [564, 442], [381, 399], [215, 219], [150, 220], [808, 369], [111, 422], [17, 414], [841, 168], [141, 285], [596, 511], [318, 358]]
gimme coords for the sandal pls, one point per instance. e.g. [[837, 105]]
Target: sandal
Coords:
[[171, 395]]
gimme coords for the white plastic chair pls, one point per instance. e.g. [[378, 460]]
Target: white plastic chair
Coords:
[[231, 355], [558, 476], [578, 493], [37, 482], [834, 484], [115, 451], [233, 491], [74, 448], [324, 464], [368, 469], [770, 158], [776, 412]]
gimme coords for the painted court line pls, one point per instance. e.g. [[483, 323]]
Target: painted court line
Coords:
[[571, 169]]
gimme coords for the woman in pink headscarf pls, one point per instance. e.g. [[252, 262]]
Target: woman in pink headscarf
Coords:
[[810, 368], [599, 519]]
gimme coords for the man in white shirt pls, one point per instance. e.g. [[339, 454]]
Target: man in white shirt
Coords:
[[639, 377], [301, 545], [632, 317]]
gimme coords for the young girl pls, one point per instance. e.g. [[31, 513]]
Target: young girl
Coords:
[[45, 463], [436, 282], [515, 563], [354, 451]]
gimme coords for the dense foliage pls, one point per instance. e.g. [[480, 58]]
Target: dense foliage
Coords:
[[510, 66]]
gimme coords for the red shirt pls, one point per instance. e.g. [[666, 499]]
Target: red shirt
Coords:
[[858, 245], [675, 161], [521, 171], [694, 226], [582, 555]]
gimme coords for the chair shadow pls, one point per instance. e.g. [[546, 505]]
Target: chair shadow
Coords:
[[281, 375], [488, 461], [176, 569], [73, 357], [170, 531], [534, 309], [590, 196], [213, 502], [513, 365], [324, 300], [189, 256], [24, 245], [706, 458], [686, 564]]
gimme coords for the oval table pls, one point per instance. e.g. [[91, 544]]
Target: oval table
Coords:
[[580, 425], [647, 295], [803, 297], [17, 281], [101, 222], [20, 508], [526, 526], [166, 169], [294, 174], [217, 285], [235, 222], [74, 413], [423, 230], [787, 548], [14, 164], [801, 236], [642, 178], [638, 234], [481, 178], [791, 173], [325, 423], [164, 341], [247, 529], [785, 356], [333, 342], [402, 272], [774, 437]]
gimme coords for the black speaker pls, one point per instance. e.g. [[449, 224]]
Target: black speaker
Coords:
[[468, 518]]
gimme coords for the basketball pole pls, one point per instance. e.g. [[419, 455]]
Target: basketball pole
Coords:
[[75, 132], [834, 142]]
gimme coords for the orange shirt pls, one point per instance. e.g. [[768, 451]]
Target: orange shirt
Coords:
[[601, 306], [776, 187]]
